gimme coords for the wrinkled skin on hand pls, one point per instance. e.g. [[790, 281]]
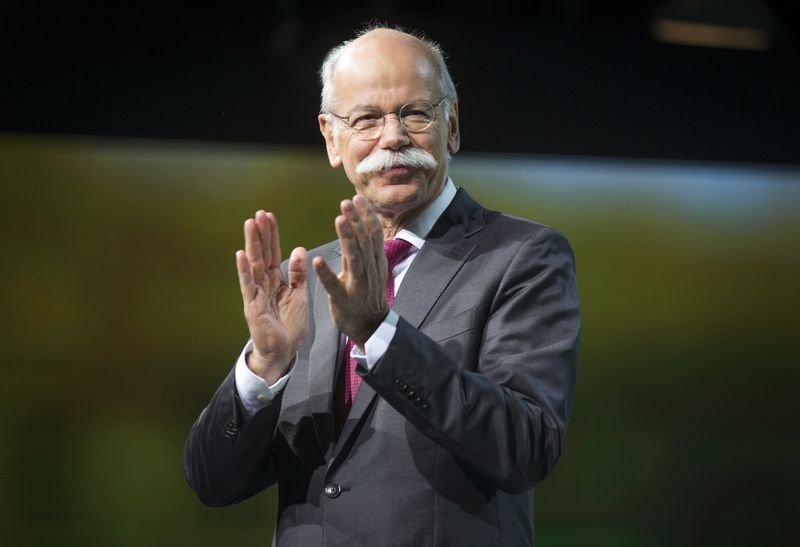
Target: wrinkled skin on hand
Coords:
[[276, 310], [357, 295]]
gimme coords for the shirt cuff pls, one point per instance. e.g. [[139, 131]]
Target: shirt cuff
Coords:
[[378, 343], [254, 393]]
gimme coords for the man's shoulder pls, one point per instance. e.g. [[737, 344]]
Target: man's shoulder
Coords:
[[506, 221], [324, 250], [507, 226], [328, 251], [513, 228]]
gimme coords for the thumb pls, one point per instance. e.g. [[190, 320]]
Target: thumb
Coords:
[[298, 268]]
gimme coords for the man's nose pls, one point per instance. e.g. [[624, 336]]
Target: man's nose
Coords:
[[394, 135]]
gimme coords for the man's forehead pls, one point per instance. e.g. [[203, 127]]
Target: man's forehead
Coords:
[[378, 66]]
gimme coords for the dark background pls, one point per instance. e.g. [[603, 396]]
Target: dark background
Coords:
[[581, 77]]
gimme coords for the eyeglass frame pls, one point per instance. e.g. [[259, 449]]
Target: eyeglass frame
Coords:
[[346, 119]]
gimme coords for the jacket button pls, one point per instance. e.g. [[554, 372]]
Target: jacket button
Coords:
[[232, 431], [333, 490]]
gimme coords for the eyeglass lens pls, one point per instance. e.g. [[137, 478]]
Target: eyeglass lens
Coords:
[[415, 117]]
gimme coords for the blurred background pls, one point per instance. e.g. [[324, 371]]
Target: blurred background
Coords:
[[662, 137]]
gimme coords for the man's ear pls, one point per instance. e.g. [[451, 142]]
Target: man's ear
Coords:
[[326, 128], [453, 135]]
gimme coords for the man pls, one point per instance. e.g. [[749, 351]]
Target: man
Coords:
[[425, 424]]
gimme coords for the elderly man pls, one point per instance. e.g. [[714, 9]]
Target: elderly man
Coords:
[[411, 382]]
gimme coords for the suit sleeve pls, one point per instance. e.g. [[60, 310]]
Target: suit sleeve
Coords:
[[507, 418], [227, 456]]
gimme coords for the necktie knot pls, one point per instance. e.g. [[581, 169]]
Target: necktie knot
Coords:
[[396, 250]]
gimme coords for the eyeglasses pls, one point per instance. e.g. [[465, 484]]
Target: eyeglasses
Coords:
[[415, 117]]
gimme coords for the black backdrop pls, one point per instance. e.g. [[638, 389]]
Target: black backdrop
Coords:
[[580, 77]]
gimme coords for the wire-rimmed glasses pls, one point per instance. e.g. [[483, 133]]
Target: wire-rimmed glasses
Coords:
[[367, 123]]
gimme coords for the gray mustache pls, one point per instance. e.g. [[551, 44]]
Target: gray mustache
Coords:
[[386, 159]]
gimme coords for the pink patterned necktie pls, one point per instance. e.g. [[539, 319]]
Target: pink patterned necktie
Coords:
[[396, 250]]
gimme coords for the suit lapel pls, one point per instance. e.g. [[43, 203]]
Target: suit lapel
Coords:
[[324, 363], [365, 399], [446, 249], [312, 394]]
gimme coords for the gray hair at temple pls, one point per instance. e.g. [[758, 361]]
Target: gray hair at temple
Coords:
[[435, 54]]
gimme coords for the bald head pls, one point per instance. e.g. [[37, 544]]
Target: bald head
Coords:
[[389, 52], [380, 40]]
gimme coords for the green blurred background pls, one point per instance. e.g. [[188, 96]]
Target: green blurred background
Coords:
[[122, 314]]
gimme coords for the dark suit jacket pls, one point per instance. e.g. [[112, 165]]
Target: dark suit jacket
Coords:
[[452, 428]]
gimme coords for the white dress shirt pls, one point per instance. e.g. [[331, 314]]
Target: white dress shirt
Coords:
[[254, 392]]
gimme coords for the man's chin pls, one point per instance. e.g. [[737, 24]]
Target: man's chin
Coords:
[[395, 198]]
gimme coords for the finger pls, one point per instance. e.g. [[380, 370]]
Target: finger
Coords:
[[328, 279], [265, 236], [275, 242], [374, 261], [253, 250], [246, 284], [351, 259], [356, 219], [298, 268], [372, 224]]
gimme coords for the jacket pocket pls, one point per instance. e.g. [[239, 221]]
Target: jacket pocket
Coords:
[[452, 326]]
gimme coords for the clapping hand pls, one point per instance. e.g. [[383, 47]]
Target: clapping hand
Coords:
[[357, 295], [276, 311]]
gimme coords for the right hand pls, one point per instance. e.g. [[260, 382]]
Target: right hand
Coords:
[[276, 312]]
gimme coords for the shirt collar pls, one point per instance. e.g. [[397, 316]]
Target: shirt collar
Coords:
[[417, 230]]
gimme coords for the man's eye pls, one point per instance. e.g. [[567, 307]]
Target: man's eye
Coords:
[[365, 119]]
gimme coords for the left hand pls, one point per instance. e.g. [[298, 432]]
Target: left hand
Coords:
[[357, 295]]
